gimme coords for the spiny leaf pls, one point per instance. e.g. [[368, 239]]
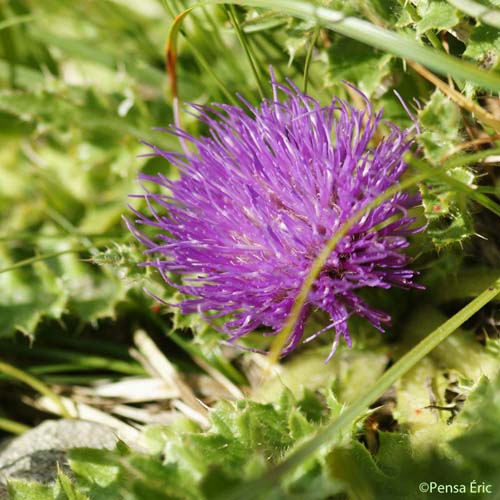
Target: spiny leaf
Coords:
[[436, 15], [441, 124], [28, 490], [28, 296], [49, 289], [477, 444], [124, 258], [447, 212], [346, 418], [484, 46], [364, 66], [377, 37], [65, 489], [244, 436]]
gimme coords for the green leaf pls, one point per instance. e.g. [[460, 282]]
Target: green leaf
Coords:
[[28, 490], [361, 65], [191, 321], [51, 109], [441, 124], [97, 472], [217, 481], [396, 470], [480, 441], [28, 296], [312, 407], [380, 38], [92, 294], [156, 480], [484, 46], [436, 15], [241, 429], [65, 489], [357, 470], [245, 436], [125, 259], [350, 373], [447, 212], [85, 50], [299, 426], [330, 432], [388, 10], [109, 474], [52, 287]]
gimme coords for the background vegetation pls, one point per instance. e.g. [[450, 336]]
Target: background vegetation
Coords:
[[81, 84]]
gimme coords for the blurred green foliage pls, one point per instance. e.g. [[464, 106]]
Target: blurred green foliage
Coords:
[[81, 84]]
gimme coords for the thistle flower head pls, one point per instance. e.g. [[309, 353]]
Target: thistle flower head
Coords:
[[258, 198]]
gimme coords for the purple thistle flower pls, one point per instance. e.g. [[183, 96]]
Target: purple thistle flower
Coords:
[[258, 199]]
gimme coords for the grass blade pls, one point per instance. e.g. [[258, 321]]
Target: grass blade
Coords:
[[247, 48], [251, 490], [380, 38], [36, 384], [171, 50], [13, 21], [460, 160], [12, 426], [319, 262], [483, 13]]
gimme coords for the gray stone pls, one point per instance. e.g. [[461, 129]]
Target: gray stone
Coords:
[[35, 455]]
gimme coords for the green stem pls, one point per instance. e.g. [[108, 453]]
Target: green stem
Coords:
[[416, 17], [202, 61], [219, 363], [381, 38], [37, 258], [81, 361], [310, 50], [483, 13], [442, 174], [231, 12], [235, 64], [12, 21], [477, 196], [42, 370], [34, 383], [487, 190], [319, 262], [71, 379], [408, 361], [432, 37], [12, 426], [32, 236], [460, 160]]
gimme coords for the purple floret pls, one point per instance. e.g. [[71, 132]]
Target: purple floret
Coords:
[[259, 197]]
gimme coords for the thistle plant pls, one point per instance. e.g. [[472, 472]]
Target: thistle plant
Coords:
[[289, 217], [260, 195]]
